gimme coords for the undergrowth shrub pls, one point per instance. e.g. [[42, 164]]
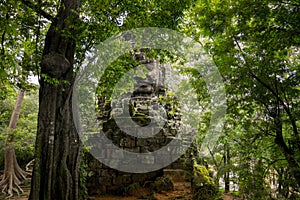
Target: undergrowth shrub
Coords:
[[203, 186]]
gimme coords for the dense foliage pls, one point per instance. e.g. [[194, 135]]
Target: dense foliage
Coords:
[[256, 48], [26, 128], [254, 44]]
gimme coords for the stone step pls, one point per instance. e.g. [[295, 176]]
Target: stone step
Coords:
[[177, 175]]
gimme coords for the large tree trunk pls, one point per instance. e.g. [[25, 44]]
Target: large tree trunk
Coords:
[[58, 148], [13, 174]]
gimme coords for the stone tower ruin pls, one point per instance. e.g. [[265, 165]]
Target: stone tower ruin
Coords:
[[148, 92]]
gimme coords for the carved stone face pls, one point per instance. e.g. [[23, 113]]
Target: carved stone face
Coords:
[[144, 89]]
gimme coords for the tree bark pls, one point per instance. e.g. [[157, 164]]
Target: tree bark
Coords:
[[227, 171], [58, 147], [289, 153], [13, 174]]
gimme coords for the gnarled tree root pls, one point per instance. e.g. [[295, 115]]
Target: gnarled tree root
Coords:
[[13, 175]]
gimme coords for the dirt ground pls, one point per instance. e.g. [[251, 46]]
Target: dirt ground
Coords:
[[23, 196], [182, 191]]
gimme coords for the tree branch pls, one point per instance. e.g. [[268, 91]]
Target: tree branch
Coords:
[[276, 95], [37, 9], [3, 35], [2, 43]]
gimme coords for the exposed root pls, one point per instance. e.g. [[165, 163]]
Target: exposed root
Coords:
[[11, 183], [29, 166], [13, 175]]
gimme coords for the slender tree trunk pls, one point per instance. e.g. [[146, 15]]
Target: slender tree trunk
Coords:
[[58, 148], [289, 153], [13, 174], [227, 172]]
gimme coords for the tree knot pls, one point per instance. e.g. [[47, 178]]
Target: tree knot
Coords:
[[55, 64]]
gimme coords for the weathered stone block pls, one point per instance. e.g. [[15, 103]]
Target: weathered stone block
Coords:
[[126, 179], [127, 142], [146, 159], [105, 180]]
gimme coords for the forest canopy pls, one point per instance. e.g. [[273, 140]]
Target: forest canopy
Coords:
[[253, 44]]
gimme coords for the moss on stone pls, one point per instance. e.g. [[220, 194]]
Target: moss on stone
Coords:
[[163, 183], [203, 185]]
